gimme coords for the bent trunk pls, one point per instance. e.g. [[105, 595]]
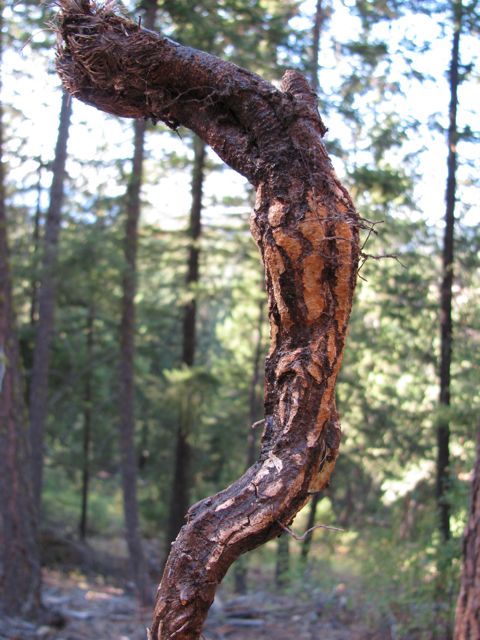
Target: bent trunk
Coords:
[[306, 228]]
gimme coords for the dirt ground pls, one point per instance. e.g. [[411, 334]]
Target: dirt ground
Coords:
[[93, 610]]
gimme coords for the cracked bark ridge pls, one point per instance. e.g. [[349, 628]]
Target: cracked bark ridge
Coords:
[[306, 228]]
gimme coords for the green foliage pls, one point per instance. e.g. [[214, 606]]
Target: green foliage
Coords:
[[61, 502], [382, 492]]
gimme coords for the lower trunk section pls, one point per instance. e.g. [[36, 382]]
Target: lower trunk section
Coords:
[[179, 501], [467, 619]]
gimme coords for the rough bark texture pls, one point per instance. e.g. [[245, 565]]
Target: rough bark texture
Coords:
[[306, 228], [446, 327], [19, 557], [318, 21], [38, 393], [179, 502], [467, 619]]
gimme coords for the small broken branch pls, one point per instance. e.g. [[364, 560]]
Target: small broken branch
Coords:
[[301, 538]]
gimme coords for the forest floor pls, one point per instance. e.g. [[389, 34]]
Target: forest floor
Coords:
[[87, 597], [91, 609]]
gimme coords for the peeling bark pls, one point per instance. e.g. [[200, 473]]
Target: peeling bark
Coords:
[[306, 228]]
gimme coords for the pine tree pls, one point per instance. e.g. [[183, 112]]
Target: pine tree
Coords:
[[19, 554], [38, 387]]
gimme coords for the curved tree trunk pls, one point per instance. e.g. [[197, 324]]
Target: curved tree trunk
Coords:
[[306, 228]]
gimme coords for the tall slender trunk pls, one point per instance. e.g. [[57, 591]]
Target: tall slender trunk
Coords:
[[254, 407], [318, 22], [317, 29], [38, 395], [254, 400], [36, 246], [467, 620], [87, 419], [126, 380], [307, 542], [19, 555], [138, 565], [282, 566], [179, 502], [443, 425]]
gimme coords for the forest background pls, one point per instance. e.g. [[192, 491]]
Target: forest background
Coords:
[[141, 314]]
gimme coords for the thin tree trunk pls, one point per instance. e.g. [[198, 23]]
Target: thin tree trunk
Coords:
[[282, 566], [19, 554], [126, 386], [87, 420], [138, 565], [317, 30], [306, 228], [307, 543], [38, 394], [467, 620], [240, 573], [253, 399], [36, 246], [179, 501], [443, 426]]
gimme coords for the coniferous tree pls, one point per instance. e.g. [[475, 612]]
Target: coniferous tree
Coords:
[[87, 417], [39, 377], [446, 325], [180, 498], [19, 554], [138, 563]]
